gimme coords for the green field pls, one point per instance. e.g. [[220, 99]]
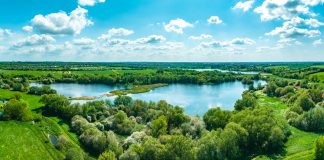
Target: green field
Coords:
[[32, 100], [319, 75], [22, 140]]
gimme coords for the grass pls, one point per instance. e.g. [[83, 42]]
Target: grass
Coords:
[[320, 76], [22, 140], [138, 89], [32, 100], [300, 145]]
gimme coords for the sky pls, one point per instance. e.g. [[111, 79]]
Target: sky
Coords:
[[162, 30]]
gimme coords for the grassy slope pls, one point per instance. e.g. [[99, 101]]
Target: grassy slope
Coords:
[[23, 134], [320, 76], [300, 144], [22, 140]]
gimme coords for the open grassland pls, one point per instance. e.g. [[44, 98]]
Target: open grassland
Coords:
[[22, 140], [300, 145], [32, 100], [319, 75]]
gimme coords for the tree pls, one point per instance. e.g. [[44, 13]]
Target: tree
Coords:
[[159, 126], [247, 101], [107, 155], [16, 110], [216, 118], [265, 130], [319, 148], [123, 100], [180, 147], [153, 150], [74, 154], [54, 103], [305, 102]]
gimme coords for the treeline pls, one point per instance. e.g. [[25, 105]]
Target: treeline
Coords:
[[160, 76]]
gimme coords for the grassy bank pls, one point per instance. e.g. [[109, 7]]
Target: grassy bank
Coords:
[[138, 89], [22, 140]]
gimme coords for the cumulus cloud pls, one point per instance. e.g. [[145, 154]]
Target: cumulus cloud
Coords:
[[317, 42], [27, 28], [285, 9], [292, 28], [34, 40], [201, 37], [61, 23], [177, 26], [245, 6], [116, 32], [242, 41], [89, 2], [152, 39], [233, 42], [214, 20], [83, 41]]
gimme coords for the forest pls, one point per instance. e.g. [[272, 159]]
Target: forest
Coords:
[[283, 119]]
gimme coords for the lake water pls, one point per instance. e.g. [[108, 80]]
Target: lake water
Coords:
[[195, 99]]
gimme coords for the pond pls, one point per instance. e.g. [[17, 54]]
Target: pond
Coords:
[[195, 99]]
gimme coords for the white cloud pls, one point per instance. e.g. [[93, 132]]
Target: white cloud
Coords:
[[116, 32], [285, 9], [62, 24], [317, 42], [34, 40], [242, 41], [28, 28], [214, 20], [177, 26], [152, 39], [89, 2], [201, 37], [291, 29], [245, 6], [233, 42], [83, 41]]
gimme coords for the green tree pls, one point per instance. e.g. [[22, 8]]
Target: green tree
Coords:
[[107, 155], [180, 147], [16, 110], [216, 118], [305, 102], [153, 150], [159, 126]]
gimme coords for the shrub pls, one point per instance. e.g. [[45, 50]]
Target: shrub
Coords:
[[216, 118], [319, 148]]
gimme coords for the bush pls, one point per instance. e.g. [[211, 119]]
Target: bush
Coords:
[[107, 155], [216, 118], [312, 120], [16, 110], [319, 148], [159, 126]]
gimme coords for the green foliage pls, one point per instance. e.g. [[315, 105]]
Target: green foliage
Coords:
[[55, 103], [248, 101], [159, 126], [319, 148], [123, 100], [74, 154], [41, 90], [180, 147], [216, 118], [262, 125], [107, 155], [153, 150], [16, 110], [312, 120], [305, 102]]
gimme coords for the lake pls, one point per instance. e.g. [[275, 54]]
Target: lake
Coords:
[[195, 99]]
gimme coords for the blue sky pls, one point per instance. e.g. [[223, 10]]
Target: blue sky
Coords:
[[162, 30]]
